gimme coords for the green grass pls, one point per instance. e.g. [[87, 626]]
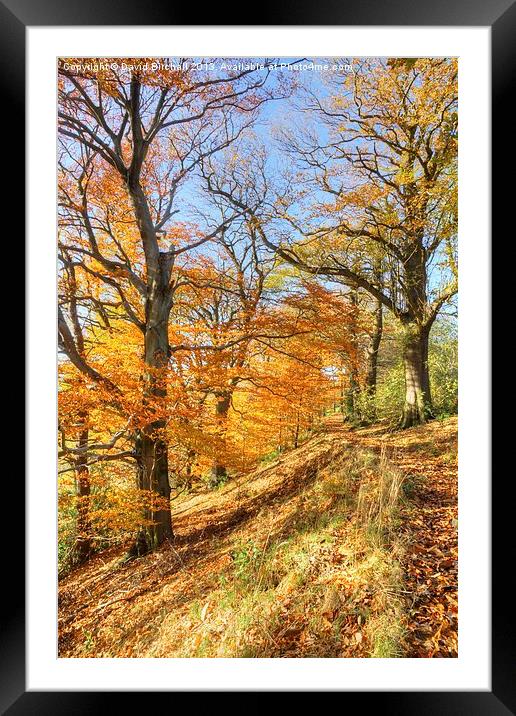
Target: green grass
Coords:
[[280, 585]]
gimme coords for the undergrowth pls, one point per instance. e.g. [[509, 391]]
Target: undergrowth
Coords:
[[326, 582]]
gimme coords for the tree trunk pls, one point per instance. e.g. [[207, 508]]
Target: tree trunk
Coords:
[[372, 366], [418, 405], [152, 475], [151, 445], [280, 435], [342, 398], [188, 471], [219, 471], [352, 407], [352, 412], [83, 539], [426, 375], [296, 431], [373, 348]]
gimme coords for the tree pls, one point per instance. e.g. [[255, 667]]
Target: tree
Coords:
[[144, 132], [380, 187]]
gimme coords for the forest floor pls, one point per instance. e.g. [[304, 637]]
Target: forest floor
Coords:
[[344, 547]]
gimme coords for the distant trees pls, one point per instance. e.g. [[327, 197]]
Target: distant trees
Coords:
[[377, 206], [223, 308], [359, 402]]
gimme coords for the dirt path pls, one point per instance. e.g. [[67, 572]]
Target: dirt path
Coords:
[[110, 607], [428, 456]]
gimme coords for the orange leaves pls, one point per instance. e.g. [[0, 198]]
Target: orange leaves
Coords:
[[176, 302]]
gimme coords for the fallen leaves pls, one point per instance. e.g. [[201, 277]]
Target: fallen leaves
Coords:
[[145, 607], [204, 611]]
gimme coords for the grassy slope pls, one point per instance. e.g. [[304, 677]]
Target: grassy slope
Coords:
[[322, 553]]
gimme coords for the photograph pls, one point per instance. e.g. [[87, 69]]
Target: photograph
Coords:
[[257, 357]]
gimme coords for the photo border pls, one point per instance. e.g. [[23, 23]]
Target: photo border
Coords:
[[501, 17]]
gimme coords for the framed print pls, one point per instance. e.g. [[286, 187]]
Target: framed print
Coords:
[[258, 446]]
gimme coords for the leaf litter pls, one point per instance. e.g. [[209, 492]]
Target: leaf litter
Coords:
[[185, 600]]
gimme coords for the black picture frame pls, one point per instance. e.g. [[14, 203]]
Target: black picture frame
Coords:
[[500, 15]]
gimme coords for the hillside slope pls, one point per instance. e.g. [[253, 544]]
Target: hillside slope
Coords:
[[343, 547]]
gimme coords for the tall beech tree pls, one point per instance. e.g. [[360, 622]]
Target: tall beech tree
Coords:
[[379, 184], [146, 130]]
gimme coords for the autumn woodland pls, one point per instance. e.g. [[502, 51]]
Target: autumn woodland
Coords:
[[257, 357]]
